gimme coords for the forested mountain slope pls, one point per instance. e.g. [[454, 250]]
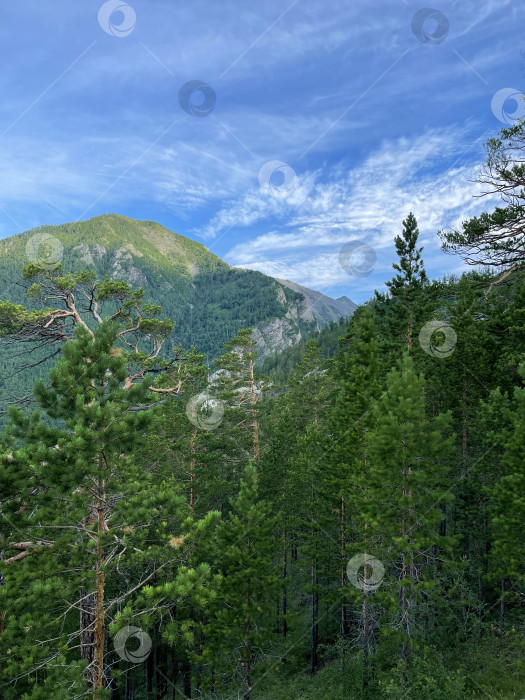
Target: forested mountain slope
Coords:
[[208, 300], [353, 529]]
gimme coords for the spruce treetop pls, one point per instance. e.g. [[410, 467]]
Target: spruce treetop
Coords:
[[410, 267]]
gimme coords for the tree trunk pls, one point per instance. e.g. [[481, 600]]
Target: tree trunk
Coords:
[[255, 423], [192, 470], [315, 624], [367, 625], [285, 574], [443, 523], [186, 678], [99, 601], [129, 689], [406, 650], [174, 674], [410, 326], [502, 608], [87, 632], [406, 573], [464, 455], [366, 634], [161, 670], [115, 691], [150, 672], [464, 442], [294, 546], [248, 680], [344, 582], [198, 670]]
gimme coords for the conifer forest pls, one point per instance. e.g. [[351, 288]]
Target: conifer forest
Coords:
[[348, 524], [217, 484]]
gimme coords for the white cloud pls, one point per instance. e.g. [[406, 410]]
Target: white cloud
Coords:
[[368, 203], [285, 92]]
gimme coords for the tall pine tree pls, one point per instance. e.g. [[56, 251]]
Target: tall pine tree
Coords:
[[403, 311], [401, 509]]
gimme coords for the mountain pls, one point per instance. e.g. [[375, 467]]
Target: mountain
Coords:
[[208, 299], [324, 308]]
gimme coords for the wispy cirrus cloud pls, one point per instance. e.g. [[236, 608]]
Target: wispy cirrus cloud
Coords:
[[367, 203], [373, 121]]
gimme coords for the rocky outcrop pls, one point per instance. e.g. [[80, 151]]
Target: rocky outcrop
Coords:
[[320, 306], [121, 267], [315, 309], [274, 336]]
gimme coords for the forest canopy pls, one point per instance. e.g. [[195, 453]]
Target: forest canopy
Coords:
[[345, 520]]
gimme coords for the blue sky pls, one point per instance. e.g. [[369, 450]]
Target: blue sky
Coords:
[[372, 109]]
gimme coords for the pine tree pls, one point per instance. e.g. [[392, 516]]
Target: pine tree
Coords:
[[401, 512], [278, 487], [241, 623], [315, 543], [285, 477], [458, 382], [177, 442], [311, 389], [75, 468], [508, 509], [402, 306], [84, 500], [308, 387], [497, 239], [227, 449], [357, 368]]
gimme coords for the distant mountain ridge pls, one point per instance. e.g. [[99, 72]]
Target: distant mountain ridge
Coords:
[[324, 307], [208, 299]]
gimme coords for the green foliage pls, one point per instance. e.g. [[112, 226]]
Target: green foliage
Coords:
[[238, 624], [497, 238], [508, 499], [241, 577], [207, 300], [429, 680], [403, 308]]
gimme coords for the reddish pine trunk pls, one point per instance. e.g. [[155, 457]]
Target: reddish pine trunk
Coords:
[[192, 470], [99, 599]]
